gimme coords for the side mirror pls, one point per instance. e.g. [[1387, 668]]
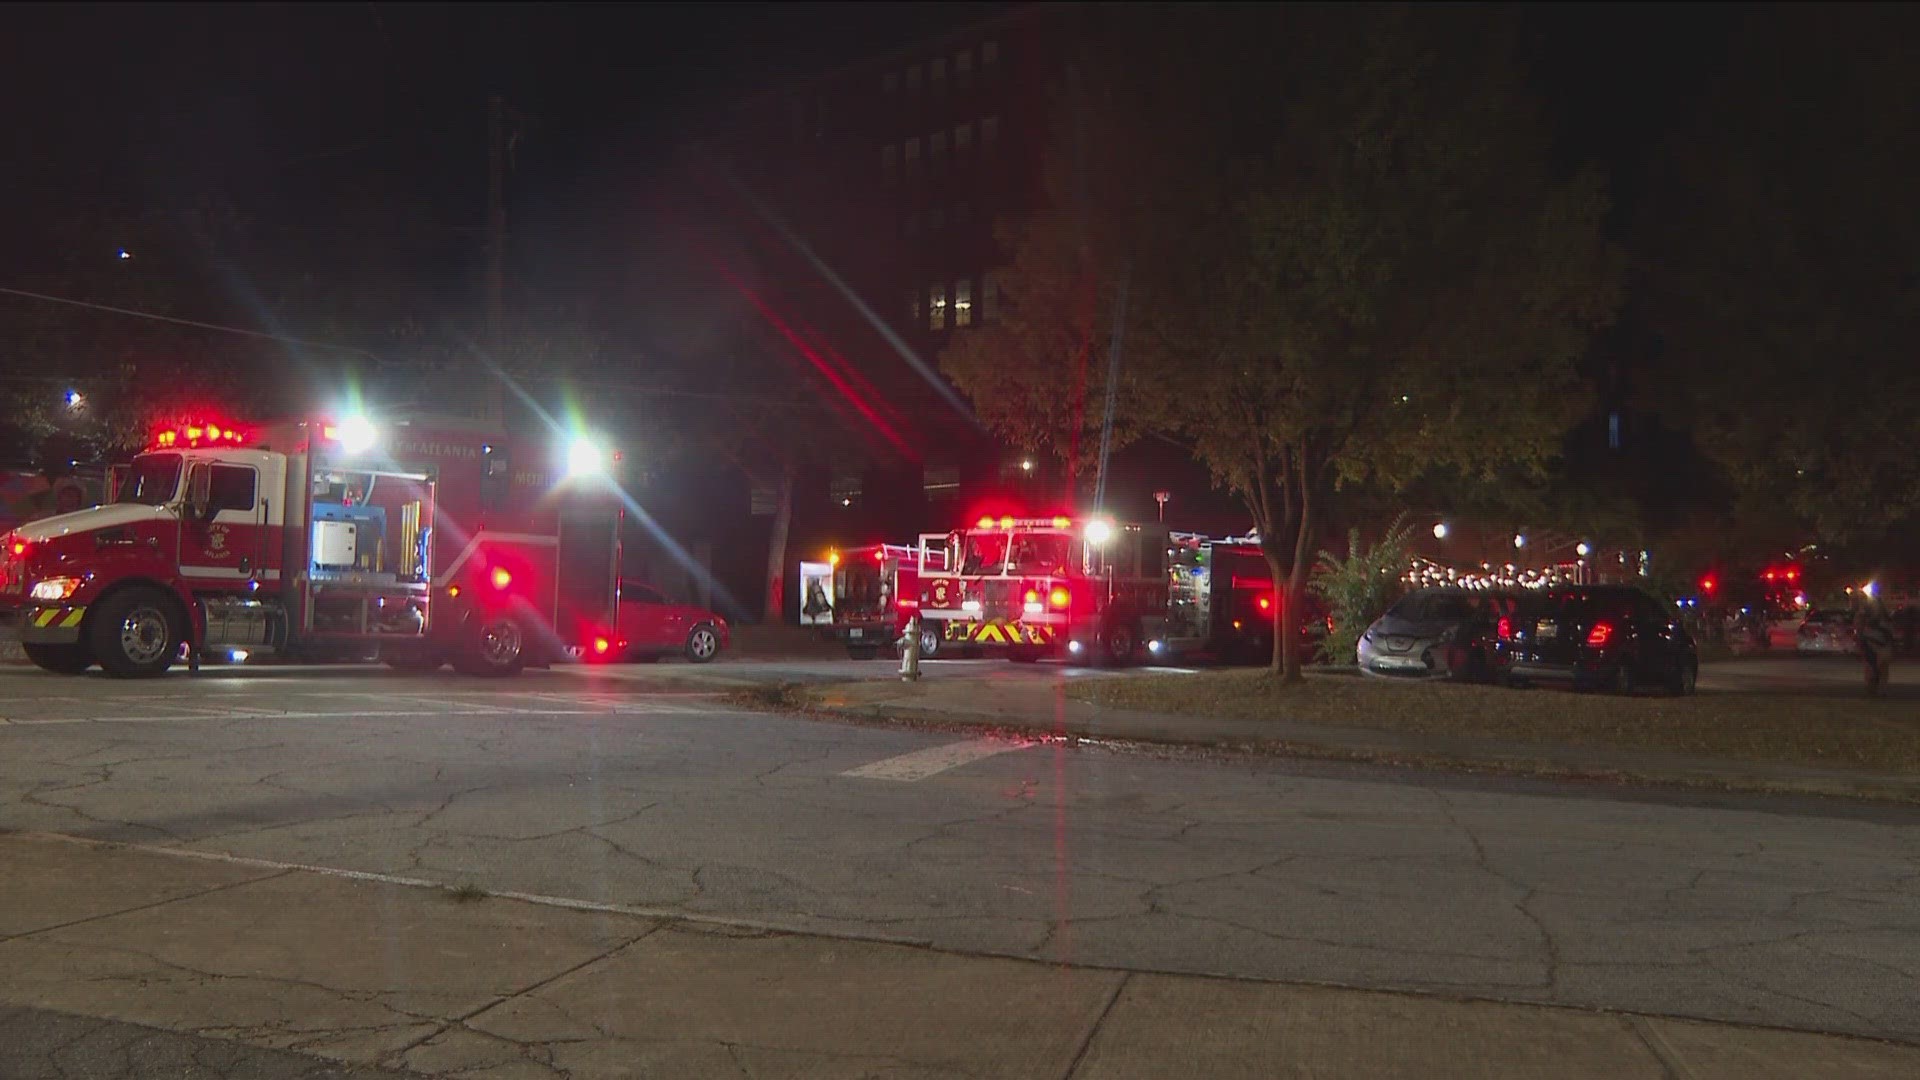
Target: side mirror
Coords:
[[199, 491]]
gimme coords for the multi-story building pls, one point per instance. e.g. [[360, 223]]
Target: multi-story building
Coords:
[[872, 193]]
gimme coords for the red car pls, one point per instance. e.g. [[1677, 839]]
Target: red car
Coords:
[[652, 626]]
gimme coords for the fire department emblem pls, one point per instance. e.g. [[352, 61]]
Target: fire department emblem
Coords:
[[942, 589], [217, 540]]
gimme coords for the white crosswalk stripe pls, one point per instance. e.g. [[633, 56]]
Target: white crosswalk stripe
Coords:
[[921, 764]]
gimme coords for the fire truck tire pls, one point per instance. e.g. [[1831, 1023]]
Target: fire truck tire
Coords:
[[703, 644], [862, 652], [59, 659], [1119, 643], [498, 649], [136, 634]]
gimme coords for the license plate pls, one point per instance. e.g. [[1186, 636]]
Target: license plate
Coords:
[[1400, 662], [1545, 630], [856, 633]]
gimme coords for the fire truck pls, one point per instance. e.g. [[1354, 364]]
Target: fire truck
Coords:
[[876, 593], [427, 541], [1093, 589]]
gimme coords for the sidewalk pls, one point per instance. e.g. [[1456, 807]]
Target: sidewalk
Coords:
[[1046, 707], [382, 973]]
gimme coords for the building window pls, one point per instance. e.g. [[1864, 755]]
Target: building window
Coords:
[[844, 490], [890, 82], [937, 151], [937, 75], [912, 156], [913, 79], [989, 133], [937, 306], [962, 141], [941, 483], [963, 302], [890, 162], [963, 70], [913, 307]]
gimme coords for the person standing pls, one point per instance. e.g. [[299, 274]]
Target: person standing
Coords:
[[1874, 632]]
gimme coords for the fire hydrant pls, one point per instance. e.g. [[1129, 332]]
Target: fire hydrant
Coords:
[[910, 652]]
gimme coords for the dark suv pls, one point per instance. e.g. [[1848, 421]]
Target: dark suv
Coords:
[[1611, 636]]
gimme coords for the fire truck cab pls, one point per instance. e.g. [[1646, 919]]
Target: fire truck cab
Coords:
[[1032, 587], [426, 540]]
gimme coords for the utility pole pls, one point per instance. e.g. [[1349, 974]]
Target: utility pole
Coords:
[[496, 247]]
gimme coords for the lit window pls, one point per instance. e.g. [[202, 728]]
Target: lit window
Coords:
[[989, 133], [937, 75], [963, 302], [913, 79], [937, 151], [937, 307], [890, 162], [890, 82], [962, 140]]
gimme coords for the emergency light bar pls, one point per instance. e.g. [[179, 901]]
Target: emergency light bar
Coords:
[[193, 435], [1026, 523]]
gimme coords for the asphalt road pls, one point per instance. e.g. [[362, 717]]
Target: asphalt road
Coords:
[[621, 786]]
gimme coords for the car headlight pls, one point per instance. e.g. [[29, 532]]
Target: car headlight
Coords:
[[54, 589]]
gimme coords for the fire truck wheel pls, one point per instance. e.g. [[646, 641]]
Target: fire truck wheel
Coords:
[[59, 659], [1119, 643], [703, 644], [137, 633], [498, 648]]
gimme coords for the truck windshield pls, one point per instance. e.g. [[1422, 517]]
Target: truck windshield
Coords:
[[1040, 553], [151, 480], [985, 553]]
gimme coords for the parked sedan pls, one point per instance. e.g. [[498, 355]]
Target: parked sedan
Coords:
[[1612, 636], [1435, 633], [1827, 632], [652, 626]]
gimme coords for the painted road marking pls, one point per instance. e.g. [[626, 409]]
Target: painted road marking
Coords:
[[921, 764], [631, 709]]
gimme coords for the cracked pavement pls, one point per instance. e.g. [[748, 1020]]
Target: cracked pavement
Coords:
[[1794, 914]]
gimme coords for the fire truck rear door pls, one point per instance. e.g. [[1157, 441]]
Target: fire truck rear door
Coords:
[[587, 579]]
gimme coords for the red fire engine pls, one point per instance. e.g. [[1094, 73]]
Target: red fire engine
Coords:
[[876, 594], [429, 540], [1099, 590]]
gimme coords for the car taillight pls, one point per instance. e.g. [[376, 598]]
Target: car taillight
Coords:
[[1505, 629], [1600, 635], [1059, 597]]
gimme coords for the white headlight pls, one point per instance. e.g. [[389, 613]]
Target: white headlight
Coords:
[[356, 434], [1098, 532]]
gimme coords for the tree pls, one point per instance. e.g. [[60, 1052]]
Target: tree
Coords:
[[1359, 587], [1379, 282], [1778, 263]]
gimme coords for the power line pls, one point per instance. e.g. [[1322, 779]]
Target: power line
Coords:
[[130, 312]]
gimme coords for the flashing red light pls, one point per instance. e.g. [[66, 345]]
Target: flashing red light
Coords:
[[453, 592], [1059, 596], [1006, 523], [1793, 573], [906, 603], [880, 556], [1033, 596], [1266, 603], [1600, 634], [1771, 576], [19, 548], [601, 645], [985, 523], [213, 431], [501, 577], [1506, 629], [194, 433], [1708, 584]]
